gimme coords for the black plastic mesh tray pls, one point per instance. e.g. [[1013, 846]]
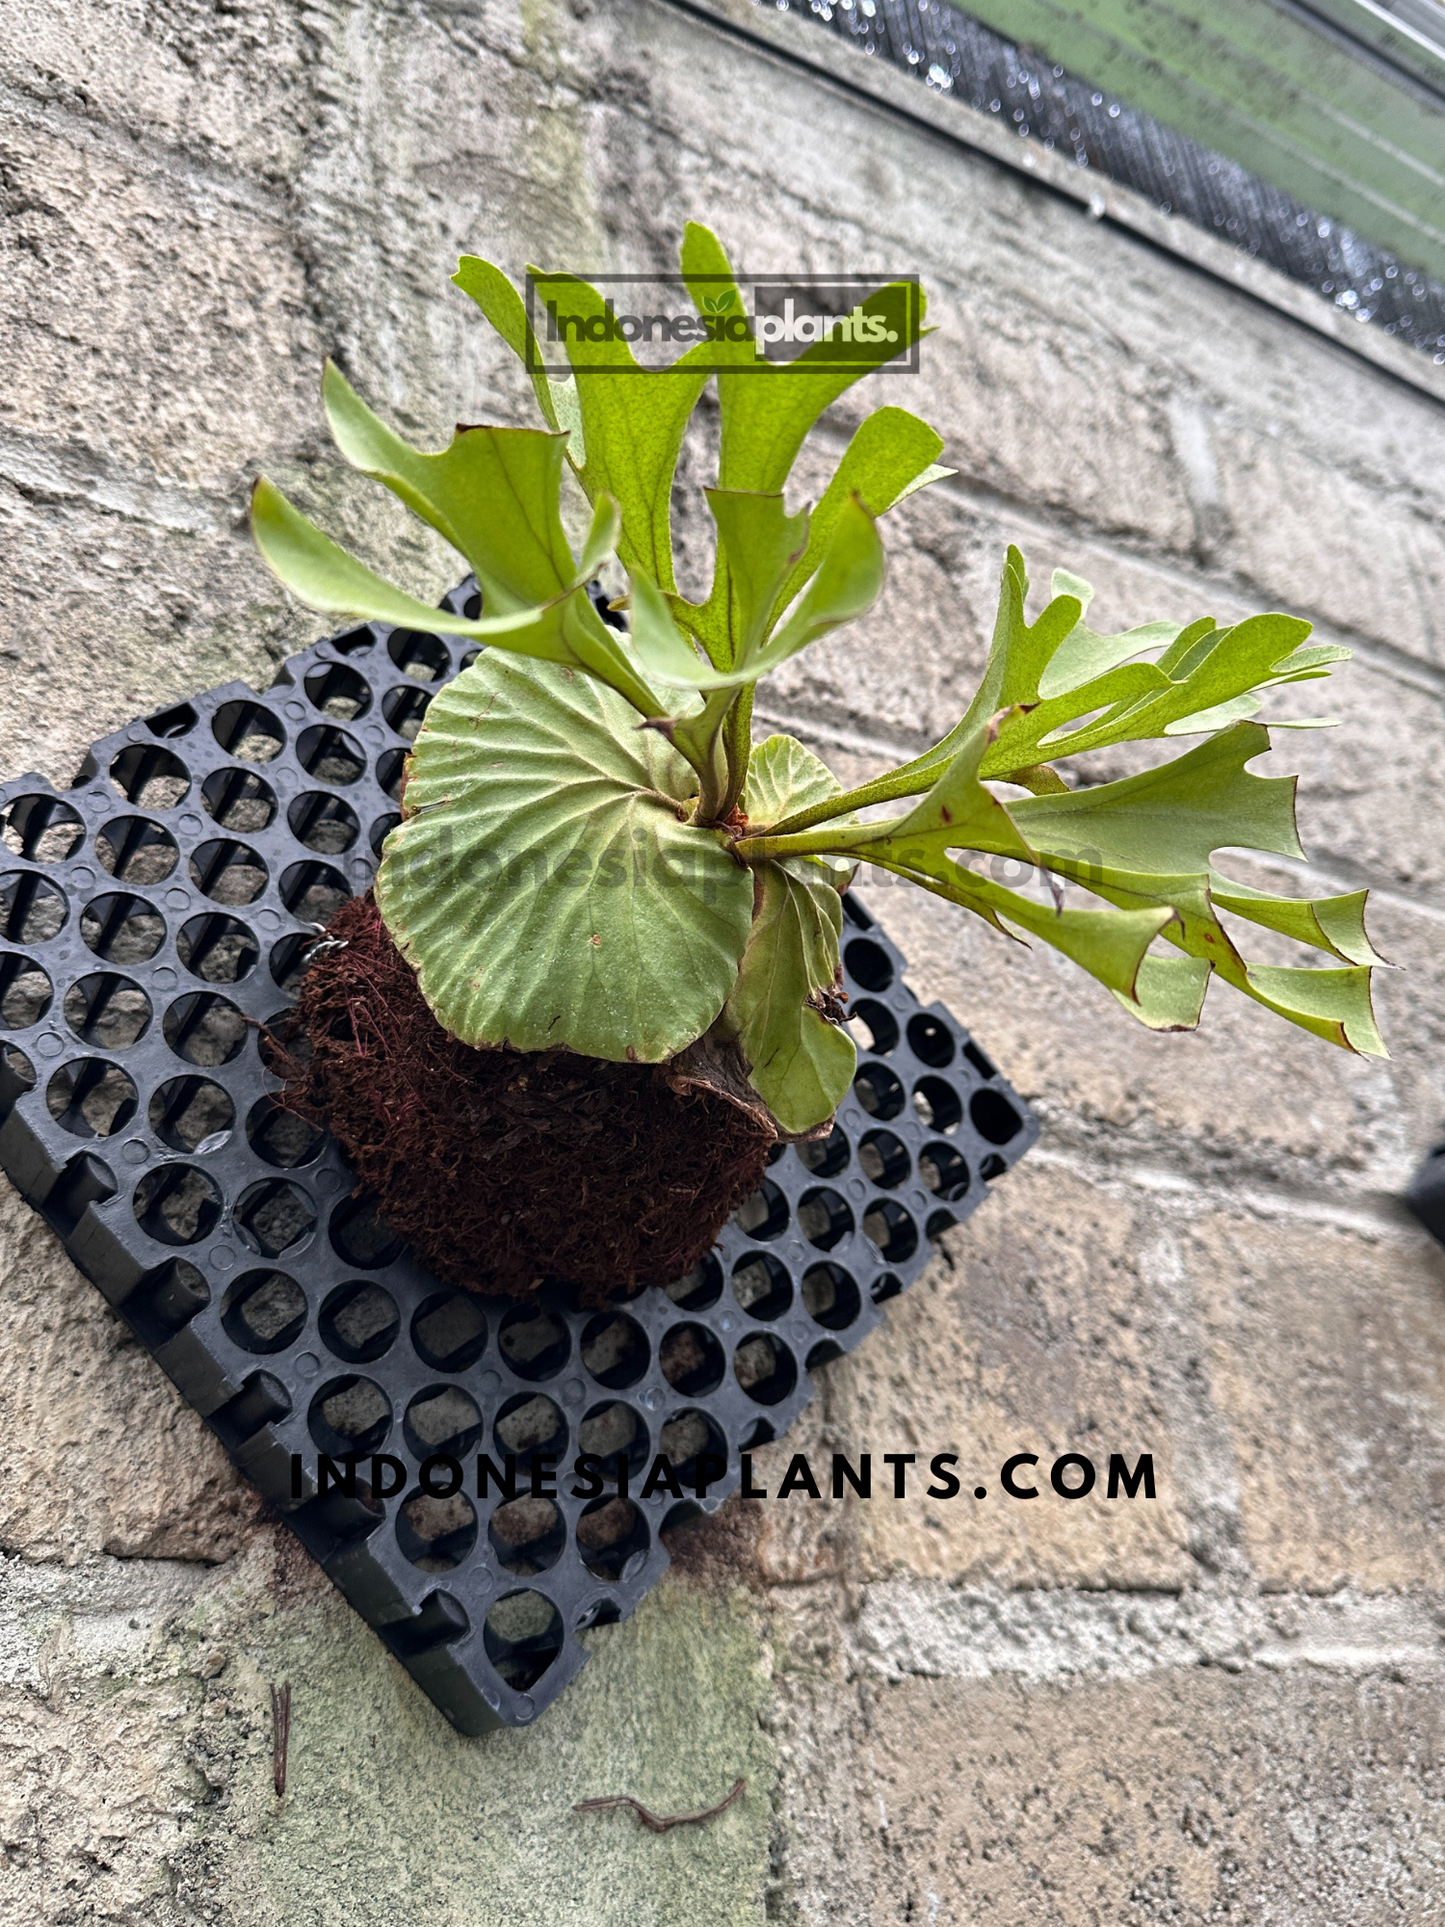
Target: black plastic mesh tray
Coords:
[[152, 918]]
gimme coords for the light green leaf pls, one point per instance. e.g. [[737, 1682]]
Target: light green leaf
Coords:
[[935, 472], [1020, 651], [699, 736], [849, 580], [1168, 993], [800, 1064], [1316, 660], [505, 309], [784, 776], [626, 422], [1109, 944], [566, 629], [758, 541], [601, 539], [543, 881], [1065, 582], [595, 649], [661, 647], [958, 813], [633, 421], [1201, 672], [1083, 655], [493, 493], [1176, 817], [767, 409], [1018, 656], [1143, 844], [1198, 930], [1333, 924], [704, 264], [845, 587], [1169, 989], [1140, 700], [1041, 778], [322, 574], [1238, 710], [1334, 1004], [891, 456], [1171, 819]]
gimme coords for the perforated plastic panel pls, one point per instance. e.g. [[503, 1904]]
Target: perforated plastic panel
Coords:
[[152, 919]]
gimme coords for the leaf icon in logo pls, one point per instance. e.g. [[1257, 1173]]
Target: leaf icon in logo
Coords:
[[719, 303]]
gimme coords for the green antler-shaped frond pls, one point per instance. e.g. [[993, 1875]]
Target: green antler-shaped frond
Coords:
[[494, 495], [626, 424], [1144, 844], [780, 581]]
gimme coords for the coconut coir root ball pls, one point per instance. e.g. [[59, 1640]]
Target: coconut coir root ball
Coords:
[[505, 1168]]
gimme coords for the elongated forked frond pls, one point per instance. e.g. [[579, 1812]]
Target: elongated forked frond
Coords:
[[539, 592], [1145, 844]]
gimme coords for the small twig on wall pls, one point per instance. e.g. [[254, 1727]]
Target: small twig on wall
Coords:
[[280, 1735], [658, 1823]]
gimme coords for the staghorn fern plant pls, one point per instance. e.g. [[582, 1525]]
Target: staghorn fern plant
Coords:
[[594, 855]]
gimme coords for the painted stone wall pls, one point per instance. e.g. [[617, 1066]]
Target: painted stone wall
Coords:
[[1225, 1703]]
